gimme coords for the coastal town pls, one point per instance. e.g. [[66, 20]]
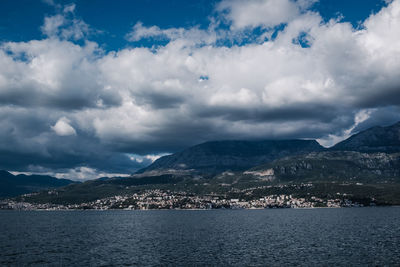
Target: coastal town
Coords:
[[166, 200]]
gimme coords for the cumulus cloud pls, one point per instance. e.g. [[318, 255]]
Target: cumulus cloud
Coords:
[[50, 72], [71, 108], [264, 13], [65, 25], [63, 128]]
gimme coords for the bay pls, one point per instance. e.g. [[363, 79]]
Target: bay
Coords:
[[273, 237]]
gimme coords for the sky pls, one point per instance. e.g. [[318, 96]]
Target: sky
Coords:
[[103, 88]]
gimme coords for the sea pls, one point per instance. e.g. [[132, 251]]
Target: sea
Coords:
[[270, 237]]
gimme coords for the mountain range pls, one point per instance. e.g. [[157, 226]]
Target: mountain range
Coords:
[[219, 156], [371, 157]]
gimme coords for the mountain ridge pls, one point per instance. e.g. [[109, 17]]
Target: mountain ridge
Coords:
[[235, 155], [217, 156], [374, 139], [13, 185]]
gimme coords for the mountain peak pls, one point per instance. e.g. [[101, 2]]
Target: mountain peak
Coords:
[[218, 156]]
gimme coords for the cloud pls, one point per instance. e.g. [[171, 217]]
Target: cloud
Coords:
[[51, 3], [63, 128], [77, 174], [69, 107], [265, 13], [332, 139], [85, 173], [65, 25], [52, 24], [191, 36], [49, 73]]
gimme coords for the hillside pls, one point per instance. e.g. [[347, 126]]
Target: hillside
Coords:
[[218, 156], [14, 185], [335, 166]]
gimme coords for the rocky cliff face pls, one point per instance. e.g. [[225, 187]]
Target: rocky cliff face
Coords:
[[376, 139], [337, 166], [218, 156]]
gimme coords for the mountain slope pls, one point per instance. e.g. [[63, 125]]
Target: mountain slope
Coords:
[[13, 185], [334, 166], [375, 139], [218, 156]]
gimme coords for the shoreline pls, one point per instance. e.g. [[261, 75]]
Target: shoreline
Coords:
[[102, 210]]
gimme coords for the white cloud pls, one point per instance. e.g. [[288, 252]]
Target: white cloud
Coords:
[[146, 159], [69, 8], [79, 174], [265, 13], [63, 127], [85, 173], [52, 3], [139, 32], [65, 25], [52, 24], [154, 157], [191, 35]]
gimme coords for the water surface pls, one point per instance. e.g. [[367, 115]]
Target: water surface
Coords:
[[356, 236]]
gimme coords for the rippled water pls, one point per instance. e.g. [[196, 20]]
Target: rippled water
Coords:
[[363, 236]]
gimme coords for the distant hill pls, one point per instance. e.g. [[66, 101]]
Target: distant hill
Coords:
[[14, 185], [218, 156], [325, 166], [375, 139]]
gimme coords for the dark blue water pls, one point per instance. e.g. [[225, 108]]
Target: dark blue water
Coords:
[[363, 236]]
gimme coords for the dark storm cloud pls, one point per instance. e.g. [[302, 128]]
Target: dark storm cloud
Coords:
[[301, 111], [29, 142], [63, 153], [159, 100], [381, 97]]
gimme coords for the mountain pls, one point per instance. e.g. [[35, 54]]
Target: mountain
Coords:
[[13, 185], [218, 156], [372, 155], [333, 166], [375, 139], [355, 167]]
